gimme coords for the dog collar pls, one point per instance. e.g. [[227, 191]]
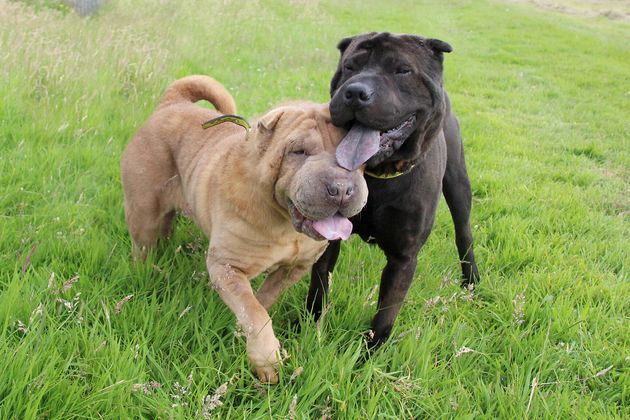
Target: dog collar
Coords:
[[234, 119], [391, 175]]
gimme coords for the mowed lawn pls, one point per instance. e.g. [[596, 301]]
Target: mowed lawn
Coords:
[[543, 100]]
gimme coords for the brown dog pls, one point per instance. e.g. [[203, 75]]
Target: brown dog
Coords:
[[266, 198]]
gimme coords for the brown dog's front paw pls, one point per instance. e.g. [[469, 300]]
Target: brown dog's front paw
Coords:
[[267, 374], [264, 354]]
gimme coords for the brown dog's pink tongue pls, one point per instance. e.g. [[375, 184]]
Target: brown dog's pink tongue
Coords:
[[360, 144], [334, 227]]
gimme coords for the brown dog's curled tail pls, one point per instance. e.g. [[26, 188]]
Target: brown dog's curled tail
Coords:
[[196, 88]]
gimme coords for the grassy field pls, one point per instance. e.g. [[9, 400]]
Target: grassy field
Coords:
[[543, 100]]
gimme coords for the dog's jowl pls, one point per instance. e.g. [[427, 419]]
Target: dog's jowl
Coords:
[[388, 92]]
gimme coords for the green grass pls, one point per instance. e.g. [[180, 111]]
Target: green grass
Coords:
[[543, 100]]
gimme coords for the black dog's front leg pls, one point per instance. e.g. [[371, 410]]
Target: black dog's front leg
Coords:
[[395, 282], [320, 273]]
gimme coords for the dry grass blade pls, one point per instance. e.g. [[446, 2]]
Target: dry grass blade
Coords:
[[603, 371], [27, 262], [51, 283], [578, 380], [531, 394], [318, 324], [292, 408], [464, 350], [368, 300], [105, 311], [184, 312]]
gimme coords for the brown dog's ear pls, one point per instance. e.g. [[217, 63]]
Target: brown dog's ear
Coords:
[[265, 127], [342, 46], [268, 122]]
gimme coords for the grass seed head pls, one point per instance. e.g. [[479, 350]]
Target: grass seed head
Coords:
[[297, 372], [121, 303], [518, 315], [293, 407]]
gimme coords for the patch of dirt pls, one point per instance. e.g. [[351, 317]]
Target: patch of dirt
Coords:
[[610, 9]]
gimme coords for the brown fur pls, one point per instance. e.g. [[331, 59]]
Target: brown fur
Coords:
[[236, 185]]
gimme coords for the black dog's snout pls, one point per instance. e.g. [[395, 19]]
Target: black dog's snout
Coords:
[[357, 95], [340, 191]]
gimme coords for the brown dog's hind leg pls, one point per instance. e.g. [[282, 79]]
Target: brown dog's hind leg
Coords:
[[151, 198], [145, 224], [149, 217], [152, 190]]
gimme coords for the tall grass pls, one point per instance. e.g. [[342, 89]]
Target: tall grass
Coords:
[[543, 103]]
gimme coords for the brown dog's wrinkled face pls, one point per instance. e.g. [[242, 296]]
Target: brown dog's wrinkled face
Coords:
[[385, 89], [299, 144]]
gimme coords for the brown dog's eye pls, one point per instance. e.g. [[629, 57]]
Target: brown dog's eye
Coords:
[[299, 152]]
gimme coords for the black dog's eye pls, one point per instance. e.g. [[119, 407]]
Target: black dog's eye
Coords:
[[348, 67], [403, 70]]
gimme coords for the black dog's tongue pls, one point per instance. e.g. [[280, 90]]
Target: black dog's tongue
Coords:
[[360, 144]]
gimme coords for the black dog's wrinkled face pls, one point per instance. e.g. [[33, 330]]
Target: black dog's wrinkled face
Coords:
[[387, 83]]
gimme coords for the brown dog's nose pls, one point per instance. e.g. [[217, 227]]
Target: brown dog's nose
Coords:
[[340, 191], [357, 95]]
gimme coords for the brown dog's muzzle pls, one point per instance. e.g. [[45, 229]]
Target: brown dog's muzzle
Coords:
[[324, 196]]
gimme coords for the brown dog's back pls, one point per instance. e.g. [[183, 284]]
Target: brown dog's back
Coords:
[[149, 164]]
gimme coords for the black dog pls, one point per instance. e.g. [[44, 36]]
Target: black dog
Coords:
[[388, 91]]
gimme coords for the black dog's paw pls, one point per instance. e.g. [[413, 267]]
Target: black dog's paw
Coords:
[[471, 278], [373, 343], [469, 285]]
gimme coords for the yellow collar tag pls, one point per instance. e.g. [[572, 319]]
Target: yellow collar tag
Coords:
[[389, 176], [234, 119]]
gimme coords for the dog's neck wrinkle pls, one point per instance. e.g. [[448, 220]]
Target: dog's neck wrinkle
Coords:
[[325, 130], [251, 198]]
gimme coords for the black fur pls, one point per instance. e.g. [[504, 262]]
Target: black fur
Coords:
[[401, 211]]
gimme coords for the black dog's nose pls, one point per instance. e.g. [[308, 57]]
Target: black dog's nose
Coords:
[[340, 191], [357, 95]]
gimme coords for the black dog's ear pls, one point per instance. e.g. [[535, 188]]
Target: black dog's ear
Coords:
[[344, 43], [335, 80], [438, 47], [342, 46]]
